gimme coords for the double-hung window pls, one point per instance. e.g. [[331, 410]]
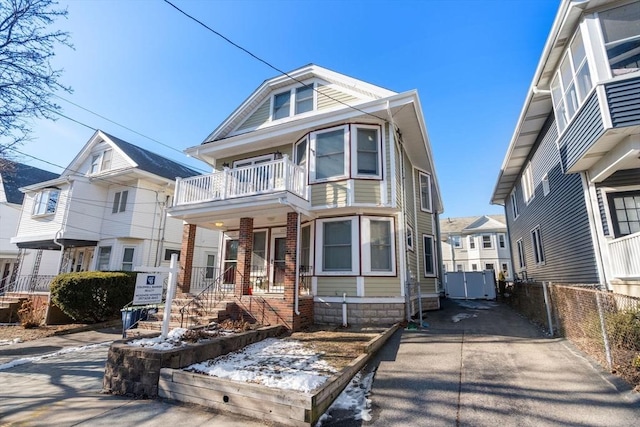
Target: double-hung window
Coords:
[[366, 146], [425, 192], [210, 269], [101, 161], [527, 184], [127, 259], [571, 83], [104, 257], [337, 246], [502, 242], [536, 243], [304, 99], [515, 211], [487, 243], [330, 160], [521, 259], [472, 242], [378, 249], [46, 201], [456, 242], [120, 201], [281, 105], [430, 256], [292, 102]]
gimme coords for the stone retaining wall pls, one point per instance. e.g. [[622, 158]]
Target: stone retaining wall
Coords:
[[135, 371], [330, 313]]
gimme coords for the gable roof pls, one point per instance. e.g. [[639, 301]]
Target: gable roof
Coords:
[[151, 162], [366, 92], [472, 224], [16, 175]]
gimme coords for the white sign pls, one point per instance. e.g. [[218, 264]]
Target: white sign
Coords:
[[148, 288]]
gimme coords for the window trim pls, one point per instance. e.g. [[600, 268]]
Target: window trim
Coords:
[[313, 158], [522, 261], [608, 197], [353, 131], [37, 202], [528, 188], [365, 243], [253, 160], [538, 247], [319, 246], [428, 176], [133, 258], [293, 101], [100, 248], [119, 202], [410, 238], [490, 241], [515, 210], [472, 242], [502, 241], [434, 262], [546, 189]]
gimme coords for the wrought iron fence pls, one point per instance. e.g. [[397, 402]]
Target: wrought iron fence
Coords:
[[604, 325], [211, 297]]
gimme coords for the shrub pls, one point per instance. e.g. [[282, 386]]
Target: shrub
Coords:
[[93, 296], [31, 313], [624, 329]]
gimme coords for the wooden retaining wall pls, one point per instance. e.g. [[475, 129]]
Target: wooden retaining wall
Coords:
[[266, 403]]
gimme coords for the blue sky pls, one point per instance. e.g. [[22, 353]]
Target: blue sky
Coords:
[[144, 65]]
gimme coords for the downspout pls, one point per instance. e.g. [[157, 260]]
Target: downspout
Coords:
[[55, 241], [593, 226]]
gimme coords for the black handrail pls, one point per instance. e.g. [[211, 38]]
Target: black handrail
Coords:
[[208, 297]]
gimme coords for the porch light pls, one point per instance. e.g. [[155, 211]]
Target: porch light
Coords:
[[277, 155], [219, 224]]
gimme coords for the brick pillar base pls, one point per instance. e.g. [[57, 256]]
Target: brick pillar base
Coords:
[[186, 257], [245, 249]]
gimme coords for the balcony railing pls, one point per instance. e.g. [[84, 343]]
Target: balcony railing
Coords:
[[624, 255], [263, 178]]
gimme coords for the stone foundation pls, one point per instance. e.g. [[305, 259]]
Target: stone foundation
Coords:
[[330, 313], [135, 371]]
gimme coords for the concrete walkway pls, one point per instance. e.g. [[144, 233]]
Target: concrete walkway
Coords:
[[493, 368]]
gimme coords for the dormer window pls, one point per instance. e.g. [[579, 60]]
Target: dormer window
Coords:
[[295, 101]]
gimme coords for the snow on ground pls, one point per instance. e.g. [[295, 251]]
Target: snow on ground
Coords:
[[284, 364], [9, 342], [354, 398], [173, 340], [67, 350], [461, 316]]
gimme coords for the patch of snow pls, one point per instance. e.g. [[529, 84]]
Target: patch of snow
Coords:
[[284, 364], [9, 342], [461, 316], [173, 340], [354, 398], [67, 350]]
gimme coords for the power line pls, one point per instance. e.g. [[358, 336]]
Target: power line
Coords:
[[268, 64]]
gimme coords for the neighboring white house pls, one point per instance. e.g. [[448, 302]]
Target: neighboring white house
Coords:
[[107, 211], [14, 175], [475, 243]]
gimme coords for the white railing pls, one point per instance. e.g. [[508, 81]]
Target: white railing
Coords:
[[624, 256], [263, 178]]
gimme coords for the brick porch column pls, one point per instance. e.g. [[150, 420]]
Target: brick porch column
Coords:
[[186, 257], [290, 258], [245, 248]]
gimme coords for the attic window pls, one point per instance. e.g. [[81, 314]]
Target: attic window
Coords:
[[101, 161], [295, 101]]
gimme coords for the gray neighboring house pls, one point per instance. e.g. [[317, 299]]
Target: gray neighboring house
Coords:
[[570, 180]]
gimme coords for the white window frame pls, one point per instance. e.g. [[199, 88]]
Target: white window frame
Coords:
[[294, 92], [490, 241], [456, 241], [41, 202], [522, 262], [434, 262], [528, 189], [410, 237], [101, 161], [355, 246], [293, 101], [119, 202], [252, 161], [366, 246], [100, 249], [296, 160], [210, 268], [133, 258], [538, 247], [515, 211], [545, 185], [354, 151], [312, 155], [422, 201], [502, 240], [96, 161], [472, 242], [273, 105]]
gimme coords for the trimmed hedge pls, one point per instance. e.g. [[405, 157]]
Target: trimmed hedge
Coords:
[[93, 296]]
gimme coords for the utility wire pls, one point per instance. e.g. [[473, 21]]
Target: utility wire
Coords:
[[268, 64]]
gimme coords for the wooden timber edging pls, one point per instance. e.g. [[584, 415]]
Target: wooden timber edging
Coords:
[[286, 407]]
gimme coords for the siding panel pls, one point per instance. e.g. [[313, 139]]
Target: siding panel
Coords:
[[381, 286], [367, 191], [562, 217], [624, 102], [324, 102], [259, 117], [336, 286], [329, 194], [582, 133]]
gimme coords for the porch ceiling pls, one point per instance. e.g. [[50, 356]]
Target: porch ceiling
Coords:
[[51, 246]]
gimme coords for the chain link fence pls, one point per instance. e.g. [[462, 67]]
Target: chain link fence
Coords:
[[602, 324]]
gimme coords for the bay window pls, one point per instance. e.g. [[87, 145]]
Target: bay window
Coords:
[[330, 148], [338, 246], [367, 152], [378, 248]]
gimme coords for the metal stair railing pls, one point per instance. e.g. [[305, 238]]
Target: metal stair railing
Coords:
[[207, 299]]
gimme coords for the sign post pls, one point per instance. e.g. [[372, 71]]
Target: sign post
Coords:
[[171, 290]]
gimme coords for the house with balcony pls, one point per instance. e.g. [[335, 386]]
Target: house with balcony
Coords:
[[476, 243], [570, 180], [325, 190], [106, 211], [13, 176]]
